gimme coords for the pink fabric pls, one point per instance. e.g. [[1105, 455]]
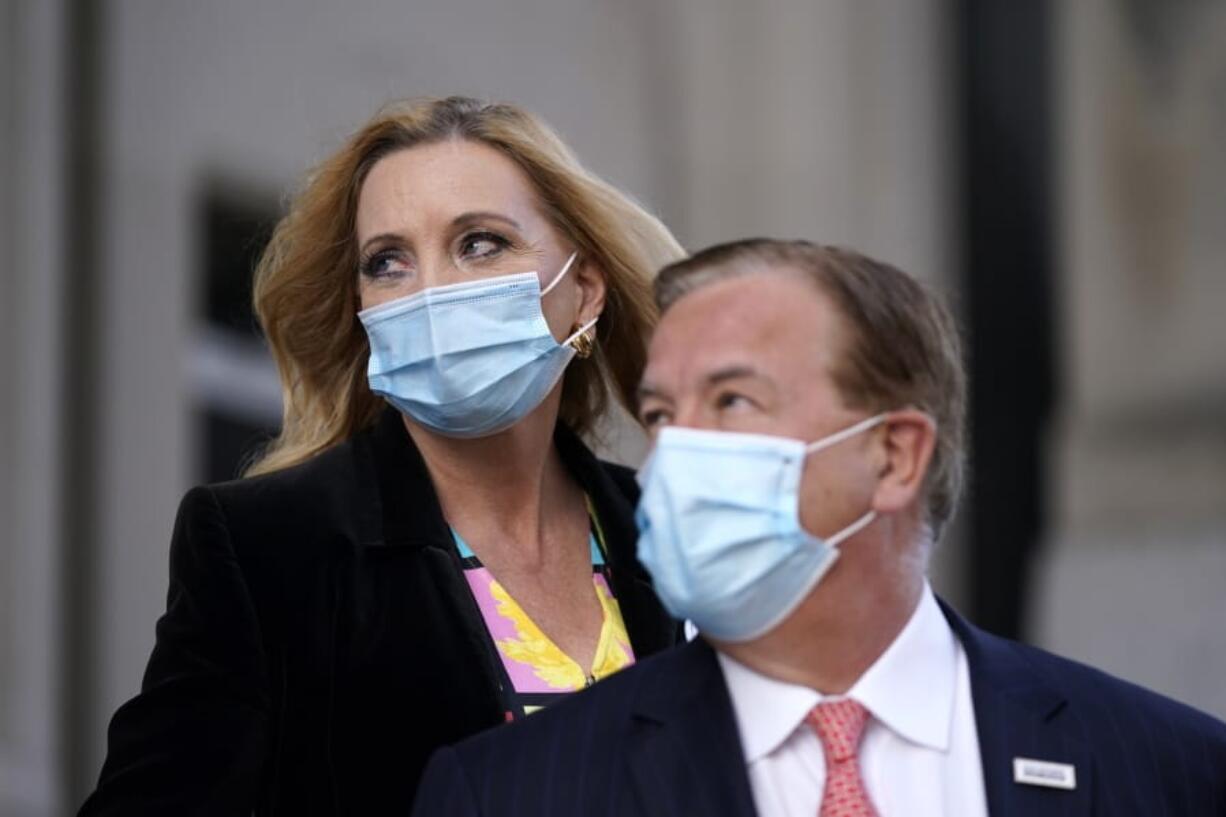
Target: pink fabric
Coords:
[[501, 628], [839, 726]]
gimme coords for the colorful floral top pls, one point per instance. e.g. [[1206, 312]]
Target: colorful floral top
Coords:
[[533, 671]]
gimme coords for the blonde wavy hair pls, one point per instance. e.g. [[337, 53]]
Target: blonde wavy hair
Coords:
[[306, 295]]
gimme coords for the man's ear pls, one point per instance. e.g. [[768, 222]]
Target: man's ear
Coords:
[[591, 283], [908, 438]]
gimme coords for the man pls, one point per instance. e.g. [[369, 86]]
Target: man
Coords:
[[806, 405]]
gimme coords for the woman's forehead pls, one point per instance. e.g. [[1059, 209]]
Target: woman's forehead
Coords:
[[442, 179]]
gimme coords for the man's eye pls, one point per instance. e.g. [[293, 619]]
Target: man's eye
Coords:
[[653, 418], [482, 245], [732, 400]]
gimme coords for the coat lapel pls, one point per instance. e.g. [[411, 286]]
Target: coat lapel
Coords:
[[1020, 714], [409, 669], [685, 754], [412, 537]]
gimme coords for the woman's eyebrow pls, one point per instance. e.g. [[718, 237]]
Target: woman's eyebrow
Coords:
[[477, 216], [462, 220], [381, 238]]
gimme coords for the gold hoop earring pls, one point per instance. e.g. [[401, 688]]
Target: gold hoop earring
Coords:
[[584, 344]]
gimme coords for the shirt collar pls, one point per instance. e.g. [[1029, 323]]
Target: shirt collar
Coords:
[[767, 711], [910, 689]]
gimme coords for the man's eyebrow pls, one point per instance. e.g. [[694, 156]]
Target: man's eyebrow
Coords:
[[732, 373], [648, 390]]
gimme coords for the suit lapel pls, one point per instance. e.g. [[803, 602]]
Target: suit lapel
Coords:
[[685, 754], [1020, 714]]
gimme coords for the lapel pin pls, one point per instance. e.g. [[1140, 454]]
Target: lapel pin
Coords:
[[1044, 773]]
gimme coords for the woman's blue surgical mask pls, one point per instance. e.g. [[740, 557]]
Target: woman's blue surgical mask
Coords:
[[719, 528], [468, 359]]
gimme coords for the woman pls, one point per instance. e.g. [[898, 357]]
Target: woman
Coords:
[[427, 549]]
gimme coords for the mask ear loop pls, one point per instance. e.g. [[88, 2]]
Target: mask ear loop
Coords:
[[580, 331], [852, 529], [565, 269], [839, 436], [560, 275], [834, 439]]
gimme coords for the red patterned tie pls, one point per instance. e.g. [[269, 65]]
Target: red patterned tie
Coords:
[[839, 726]]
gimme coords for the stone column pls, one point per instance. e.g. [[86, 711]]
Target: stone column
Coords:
[[32, 259], [1134, 573]]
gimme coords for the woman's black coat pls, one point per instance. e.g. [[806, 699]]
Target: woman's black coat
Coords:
[[319, 640]]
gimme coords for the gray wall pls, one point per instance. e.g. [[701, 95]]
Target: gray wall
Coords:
[[32, 189]]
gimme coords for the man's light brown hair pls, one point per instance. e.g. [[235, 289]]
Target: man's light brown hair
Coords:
[[902, 349]]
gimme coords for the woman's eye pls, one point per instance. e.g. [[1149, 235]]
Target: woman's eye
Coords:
[[482, 245], [384, 264]]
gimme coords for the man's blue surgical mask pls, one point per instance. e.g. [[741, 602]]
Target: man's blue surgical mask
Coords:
[[468, 359], [719, 528]]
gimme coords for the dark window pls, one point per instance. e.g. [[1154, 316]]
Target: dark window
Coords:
[[237, 406]]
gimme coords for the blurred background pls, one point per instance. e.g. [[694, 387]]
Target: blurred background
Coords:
[[1057, 169]]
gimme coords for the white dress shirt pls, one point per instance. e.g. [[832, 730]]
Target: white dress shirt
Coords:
[[920, 751]]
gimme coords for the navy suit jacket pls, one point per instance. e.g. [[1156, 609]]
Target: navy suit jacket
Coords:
[[661, 739]]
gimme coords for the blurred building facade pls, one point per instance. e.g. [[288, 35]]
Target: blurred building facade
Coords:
[[147, 145], [1134, 563]]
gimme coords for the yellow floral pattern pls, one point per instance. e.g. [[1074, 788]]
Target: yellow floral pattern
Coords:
[[534, 672], [532, 647]]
